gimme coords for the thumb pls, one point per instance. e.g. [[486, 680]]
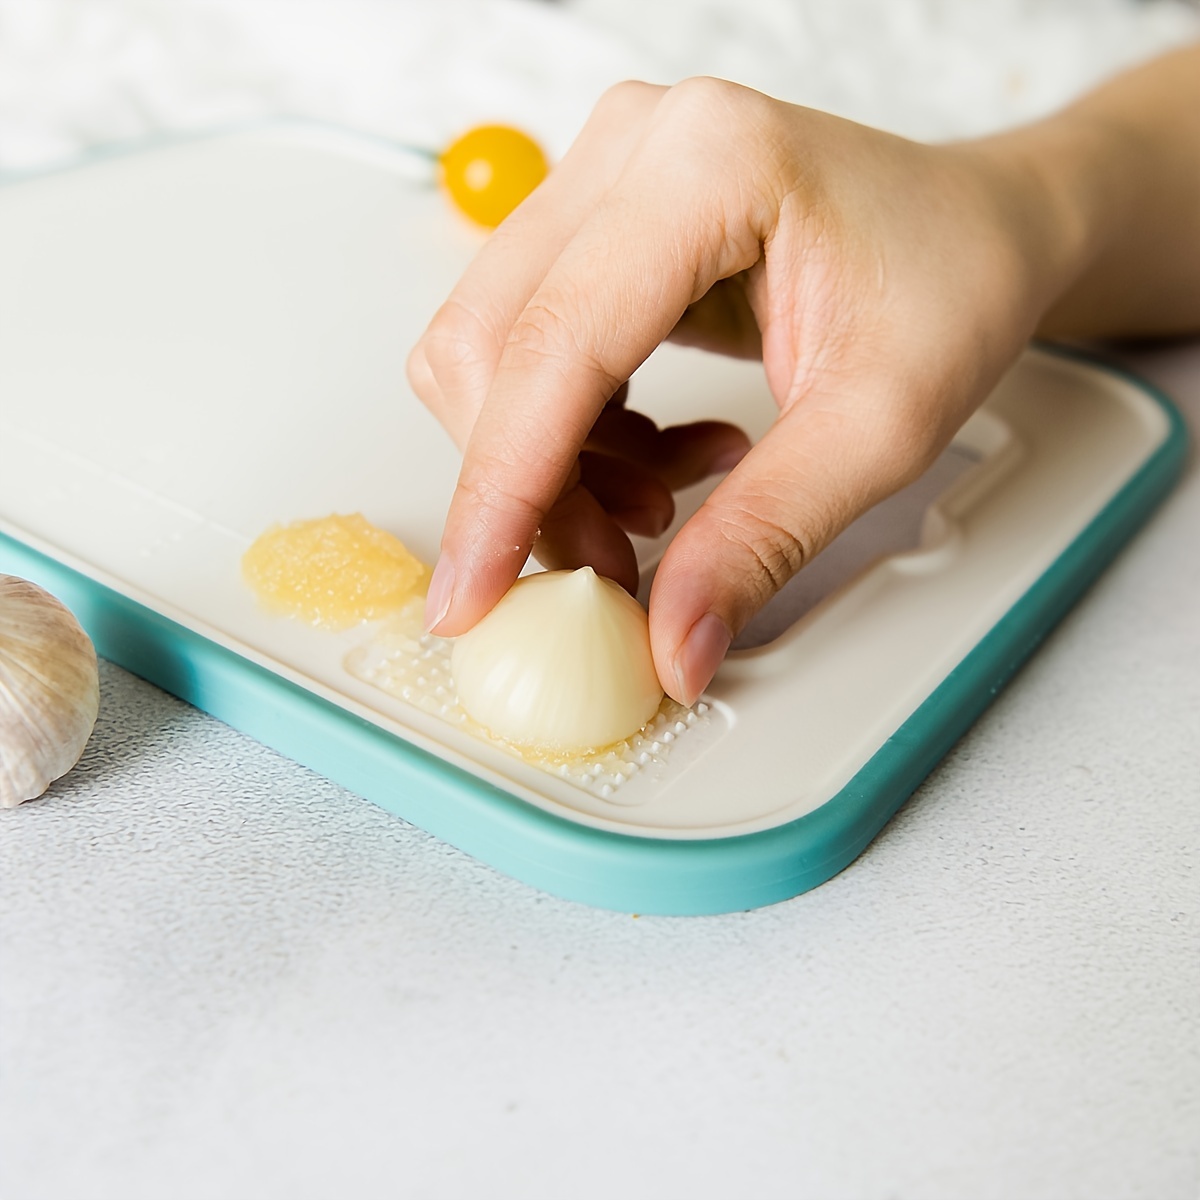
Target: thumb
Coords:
[[815, 471]]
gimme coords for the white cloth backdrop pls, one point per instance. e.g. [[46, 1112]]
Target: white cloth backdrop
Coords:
[[76, 74]]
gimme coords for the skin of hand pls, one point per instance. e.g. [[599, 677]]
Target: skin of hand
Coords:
[[886, 286]]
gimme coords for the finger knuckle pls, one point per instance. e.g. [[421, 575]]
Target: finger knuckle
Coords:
[[771, 553], [456, 340], [628, 98], [420, 377], [714, 105], [488, 488], [545, 337], [725, 153], [702, 91]]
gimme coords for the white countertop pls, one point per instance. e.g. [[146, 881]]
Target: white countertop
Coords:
[[222, 976]]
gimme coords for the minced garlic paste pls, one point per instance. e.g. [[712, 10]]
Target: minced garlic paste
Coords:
[[333, 571]]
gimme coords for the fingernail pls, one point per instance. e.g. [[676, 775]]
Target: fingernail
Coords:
[[699, 657], [728, 459], [646, 521], [440, 593]]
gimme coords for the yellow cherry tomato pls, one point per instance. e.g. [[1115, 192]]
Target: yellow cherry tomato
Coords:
[[490, 170]]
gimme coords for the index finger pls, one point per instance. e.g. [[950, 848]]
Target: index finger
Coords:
[[614, 293]]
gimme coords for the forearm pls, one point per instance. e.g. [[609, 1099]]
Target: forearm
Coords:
[[1119, 173]]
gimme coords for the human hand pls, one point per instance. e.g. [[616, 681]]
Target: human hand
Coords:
[[886, 285]]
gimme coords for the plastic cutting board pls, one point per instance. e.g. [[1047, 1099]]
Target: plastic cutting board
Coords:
[[202, 339]]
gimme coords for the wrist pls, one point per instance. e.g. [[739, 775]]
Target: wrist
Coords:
[[1065, 186]]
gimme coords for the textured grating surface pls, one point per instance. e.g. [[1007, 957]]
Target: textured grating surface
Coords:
[[414, 666]]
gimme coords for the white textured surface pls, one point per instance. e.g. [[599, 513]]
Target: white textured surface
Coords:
[[221, 976], [76, 75], [224, 977]]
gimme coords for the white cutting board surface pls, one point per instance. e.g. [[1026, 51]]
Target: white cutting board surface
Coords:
[[203, 340]]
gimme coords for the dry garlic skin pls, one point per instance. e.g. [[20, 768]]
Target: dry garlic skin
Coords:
[[561, 664], [49, 690], [333, 571]]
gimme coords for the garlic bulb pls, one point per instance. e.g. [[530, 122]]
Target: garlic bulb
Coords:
[[561, 664], [49, 690]]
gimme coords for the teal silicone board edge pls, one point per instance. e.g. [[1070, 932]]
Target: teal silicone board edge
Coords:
[[618, 871]]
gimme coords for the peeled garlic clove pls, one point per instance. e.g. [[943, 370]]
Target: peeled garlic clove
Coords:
[[562, 664], [49, 690]]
